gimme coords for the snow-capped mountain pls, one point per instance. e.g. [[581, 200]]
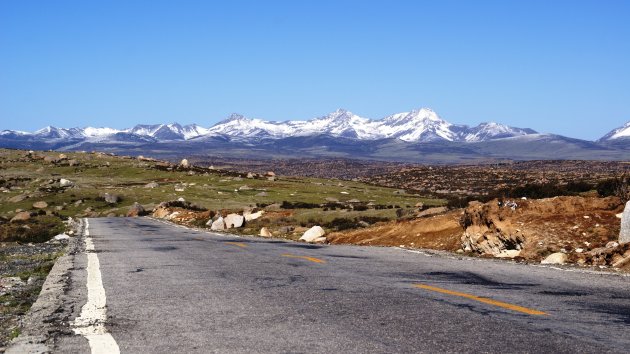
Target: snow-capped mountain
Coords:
[[421, 125], [619, 133]]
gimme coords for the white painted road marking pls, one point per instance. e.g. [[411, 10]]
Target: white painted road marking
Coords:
[[91, 322]]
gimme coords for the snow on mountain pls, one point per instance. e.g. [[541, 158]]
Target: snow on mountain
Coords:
[[492, 130], [420, 125], [621, 132]]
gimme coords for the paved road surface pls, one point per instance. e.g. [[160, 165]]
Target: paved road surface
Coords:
[[171, 289]]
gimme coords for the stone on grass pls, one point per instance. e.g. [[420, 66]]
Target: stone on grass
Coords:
[[151, 185], [264, 232], [17, 198], [65, 183], [61, 237], [313, 234], [624, 232], [555, 258], [262, 194], [111, 198], [21, 216], [136, 210], [217, 224], [40, 205], [234, 220]]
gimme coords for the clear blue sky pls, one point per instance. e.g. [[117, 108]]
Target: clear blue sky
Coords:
[[554, 66]]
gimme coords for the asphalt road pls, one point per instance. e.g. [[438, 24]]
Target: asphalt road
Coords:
[[171, 289]]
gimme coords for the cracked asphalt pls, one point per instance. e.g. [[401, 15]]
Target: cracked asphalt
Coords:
[[171, 289]]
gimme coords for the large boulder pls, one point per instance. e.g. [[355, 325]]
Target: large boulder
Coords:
[[313, 234], [136, 210], [555, 258], [624, 232], [218, 224], [234, 220]]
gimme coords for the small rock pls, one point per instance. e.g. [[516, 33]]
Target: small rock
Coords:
[[21, 216], [286, 229], [151, 185], [313, 234], [217, 224], [136, 210], [111, 198], [250, 175], [253, 216], [234, 221], [612, 244], [508, 254], [17, 198], [40, 205], [61, 237], [65, 183], [555, 258], [264, 232], [184, 163], [181, 199], [262, 194]]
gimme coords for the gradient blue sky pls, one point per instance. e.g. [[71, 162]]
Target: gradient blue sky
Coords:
[[554, 66]]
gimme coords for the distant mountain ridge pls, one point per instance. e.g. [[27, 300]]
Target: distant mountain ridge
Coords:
[[421, 125], [416, 136]]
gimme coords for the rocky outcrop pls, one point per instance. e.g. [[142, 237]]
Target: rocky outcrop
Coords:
[[487, 232]]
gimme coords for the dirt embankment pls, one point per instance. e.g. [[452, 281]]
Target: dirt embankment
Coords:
[[437, 232], [585, 229]]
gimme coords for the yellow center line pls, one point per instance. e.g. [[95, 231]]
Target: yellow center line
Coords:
[[482, 299], [312, 259], [239, 244]]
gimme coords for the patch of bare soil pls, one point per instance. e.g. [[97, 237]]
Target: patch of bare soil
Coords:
[[437, 232]]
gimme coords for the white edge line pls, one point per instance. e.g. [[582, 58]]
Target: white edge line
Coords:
[[91, 322]]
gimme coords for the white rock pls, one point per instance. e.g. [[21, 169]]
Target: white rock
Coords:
[[218, 224], [264, 232], [184, 163], [62, 237], [312, 234], [65, 182], [234, 220], [181, 199], [555, 258], [508, 254], [624, 232], [253, 216]]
